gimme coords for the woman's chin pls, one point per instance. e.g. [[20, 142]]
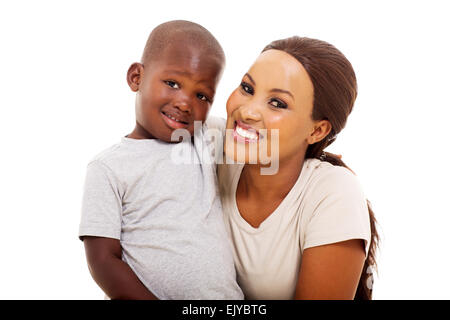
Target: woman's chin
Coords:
[[242, 153]]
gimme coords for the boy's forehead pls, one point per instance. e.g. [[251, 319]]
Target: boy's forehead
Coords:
[[181, 55], [182, 41]]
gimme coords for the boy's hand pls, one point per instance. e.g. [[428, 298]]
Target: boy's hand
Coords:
[[112, 274]]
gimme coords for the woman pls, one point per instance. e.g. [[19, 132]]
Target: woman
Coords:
[[305, 231]]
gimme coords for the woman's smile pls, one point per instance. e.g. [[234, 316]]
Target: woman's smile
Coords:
[[244, 133], [275, 97]]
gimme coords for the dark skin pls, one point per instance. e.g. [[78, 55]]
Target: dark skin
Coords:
[[172, 91], [111, 273], [179, 85], [329, 271]]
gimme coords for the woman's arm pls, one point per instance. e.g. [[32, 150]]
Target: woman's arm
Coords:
[[112, 274], [331, 271]]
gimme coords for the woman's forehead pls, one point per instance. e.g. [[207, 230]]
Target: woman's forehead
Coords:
[[278, 69]]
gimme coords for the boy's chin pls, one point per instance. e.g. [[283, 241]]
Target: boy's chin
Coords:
[[178, 135], [173, 141]]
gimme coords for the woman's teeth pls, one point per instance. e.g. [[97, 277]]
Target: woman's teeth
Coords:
[[246, 134]]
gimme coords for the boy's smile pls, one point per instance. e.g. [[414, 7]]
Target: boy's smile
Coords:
[[175, 121], [173, 90]]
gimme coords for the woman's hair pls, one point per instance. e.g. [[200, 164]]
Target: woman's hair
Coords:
[[335, 91]]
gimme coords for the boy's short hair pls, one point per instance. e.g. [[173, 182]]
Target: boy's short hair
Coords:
[[181, 32]]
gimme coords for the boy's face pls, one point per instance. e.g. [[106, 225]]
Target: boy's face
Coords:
[[173, 91]]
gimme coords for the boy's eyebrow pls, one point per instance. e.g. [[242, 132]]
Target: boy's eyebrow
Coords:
[[188, 74], [183, 73], [272, 90]]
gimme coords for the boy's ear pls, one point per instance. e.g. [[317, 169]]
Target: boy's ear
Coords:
[[134, 76]]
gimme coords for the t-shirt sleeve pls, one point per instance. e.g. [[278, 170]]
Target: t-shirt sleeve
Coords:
[[101, 211], [339, 211]]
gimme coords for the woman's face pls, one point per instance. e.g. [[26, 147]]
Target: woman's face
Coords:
[[276, 94]]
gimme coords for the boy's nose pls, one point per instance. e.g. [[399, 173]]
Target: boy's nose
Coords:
[[183, 106], [183, 103]]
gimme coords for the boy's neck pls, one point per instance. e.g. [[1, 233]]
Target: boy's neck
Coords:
[[139, 133]]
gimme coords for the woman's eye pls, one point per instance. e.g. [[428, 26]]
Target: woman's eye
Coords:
[[247, 88], [278, 103], [202, 97], [172, 84]]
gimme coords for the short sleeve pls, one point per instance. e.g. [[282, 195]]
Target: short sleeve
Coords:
[[339, 210], [101, 212]]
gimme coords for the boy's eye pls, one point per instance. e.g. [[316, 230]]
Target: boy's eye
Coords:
[[203, 97], [247, 87], [277, 103], [172, 84]]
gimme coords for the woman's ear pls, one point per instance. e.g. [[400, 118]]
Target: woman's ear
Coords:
[[134, 76], [321, 129]]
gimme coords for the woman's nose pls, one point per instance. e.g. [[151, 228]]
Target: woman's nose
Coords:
[[250, 112]]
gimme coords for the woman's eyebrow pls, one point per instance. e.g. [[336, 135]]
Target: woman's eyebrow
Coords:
[[251, 79], [283, 91], [273, 90]]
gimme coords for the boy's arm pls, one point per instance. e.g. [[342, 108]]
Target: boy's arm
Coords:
[[112, 274]]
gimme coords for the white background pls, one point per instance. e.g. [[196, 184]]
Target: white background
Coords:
[[64, 98]]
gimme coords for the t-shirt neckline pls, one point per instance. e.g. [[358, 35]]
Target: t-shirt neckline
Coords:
[[266, 223]]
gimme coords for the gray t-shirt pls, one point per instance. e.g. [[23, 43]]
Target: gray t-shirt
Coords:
[[166, 214]]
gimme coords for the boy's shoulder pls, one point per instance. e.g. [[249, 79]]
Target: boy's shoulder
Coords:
[[130, 158], [109, 154], [119, 161], [117, 158]]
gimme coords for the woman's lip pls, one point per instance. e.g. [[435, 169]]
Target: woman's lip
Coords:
[[245, 126], [173, 123], [241, 138]]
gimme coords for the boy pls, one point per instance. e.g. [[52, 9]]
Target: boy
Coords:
[[153, 229]]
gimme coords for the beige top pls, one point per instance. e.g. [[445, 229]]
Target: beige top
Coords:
[[326, 205]]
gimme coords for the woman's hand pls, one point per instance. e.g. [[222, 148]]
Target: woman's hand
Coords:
[[331, 272]]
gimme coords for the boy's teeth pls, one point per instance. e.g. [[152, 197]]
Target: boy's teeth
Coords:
[[245, 133], [169, 116]]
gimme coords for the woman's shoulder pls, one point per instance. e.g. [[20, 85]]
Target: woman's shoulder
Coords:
[[335, 207], [327, 179]]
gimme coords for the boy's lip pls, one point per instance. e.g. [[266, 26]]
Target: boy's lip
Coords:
[[175, 120]]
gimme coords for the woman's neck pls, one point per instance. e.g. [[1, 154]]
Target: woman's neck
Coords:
[[277, 186]]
